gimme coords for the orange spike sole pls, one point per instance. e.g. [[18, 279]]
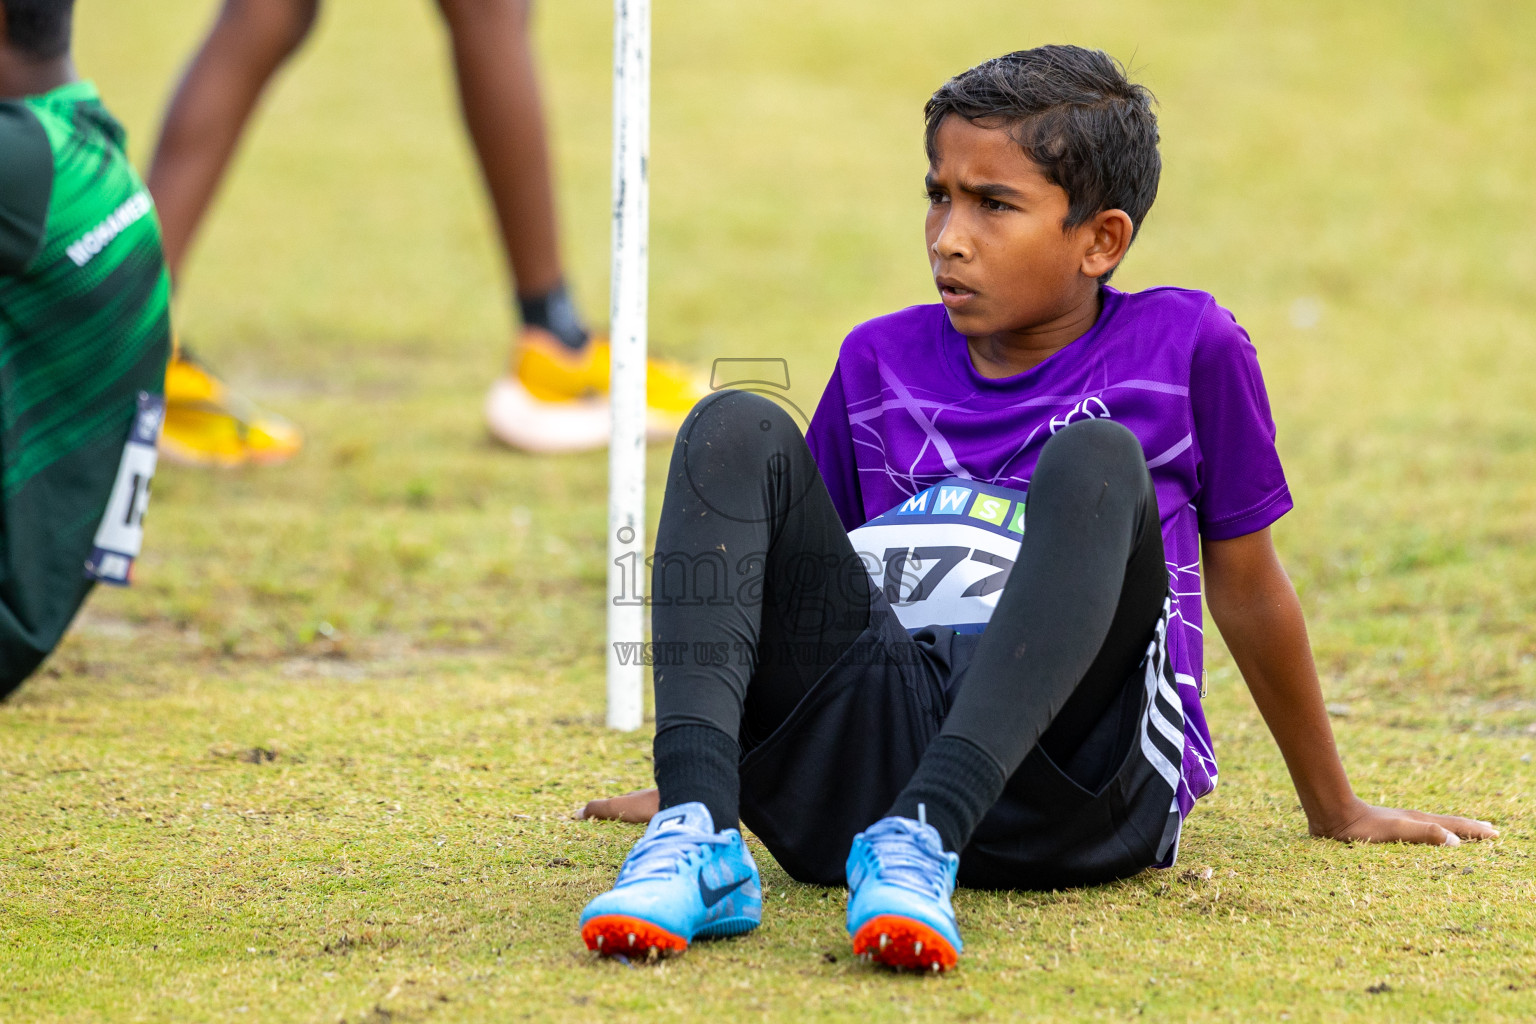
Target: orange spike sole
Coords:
[[621, 935], [909, 945]]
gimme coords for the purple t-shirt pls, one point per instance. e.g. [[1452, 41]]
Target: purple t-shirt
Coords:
[[905, 408]]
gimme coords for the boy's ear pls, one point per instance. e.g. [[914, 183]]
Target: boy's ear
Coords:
[[1109, 234]]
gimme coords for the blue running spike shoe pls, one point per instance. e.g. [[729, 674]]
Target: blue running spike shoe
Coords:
[[899, 884], [682, 881]]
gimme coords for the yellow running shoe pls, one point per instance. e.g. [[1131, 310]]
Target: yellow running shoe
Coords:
[[206, 424], [556, 400]]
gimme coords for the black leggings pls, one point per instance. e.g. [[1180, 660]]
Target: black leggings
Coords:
[[757, 591]]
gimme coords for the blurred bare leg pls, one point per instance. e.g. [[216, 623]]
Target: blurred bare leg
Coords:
[[248, 42], [205, 423], [499, 91], [554, 396]]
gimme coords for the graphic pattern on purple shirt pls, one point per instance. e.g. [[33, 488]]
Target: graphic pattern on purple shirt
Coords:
[[905, 408]]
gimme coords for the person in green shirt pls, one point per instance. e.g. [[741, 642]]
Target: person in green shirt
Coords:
[[84, 338]]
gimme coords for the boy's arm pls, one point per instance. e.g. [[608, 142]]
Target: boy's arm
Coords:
[[26, 185], [1256, 608]]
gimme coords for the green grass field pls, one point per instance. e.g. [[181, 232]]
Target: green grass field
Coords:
[[319, 763]]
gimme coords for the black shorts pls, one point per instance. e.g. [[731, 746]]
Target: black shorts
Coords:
[[838, 762]]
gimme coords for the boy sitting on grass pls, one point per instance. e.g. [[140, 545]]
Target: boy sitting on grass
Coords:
[[1065, 744], [84, 338]]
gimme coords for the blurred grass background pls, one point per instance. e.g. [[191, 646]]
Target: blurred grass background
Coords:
[[318, 762]]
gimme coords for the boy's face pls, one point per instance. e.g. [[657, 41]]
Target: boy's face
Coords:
[[999, 255]]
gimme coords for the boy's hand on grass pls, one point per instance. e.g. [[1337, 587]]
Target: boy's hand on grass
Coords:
[[1391, 825], [639, 807], [1255, 606]]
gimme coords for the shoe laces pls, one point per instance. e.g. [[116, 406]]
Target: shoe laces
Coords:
[[667, 853], [899, 857]]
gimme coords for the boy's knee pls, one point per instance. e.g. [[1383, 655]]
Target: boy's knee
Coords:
[[736, 436], [1090, 451], [740, 420]]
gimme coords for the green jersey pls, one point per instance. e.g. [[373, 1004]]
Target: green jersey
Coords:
[[84, 331]]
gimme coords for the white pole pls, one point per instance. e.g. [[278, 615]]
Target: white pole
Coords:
[[627, 317]]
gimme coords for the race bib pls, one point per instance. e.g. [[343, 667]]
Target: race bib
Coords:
[[121, 533], [943, 555]]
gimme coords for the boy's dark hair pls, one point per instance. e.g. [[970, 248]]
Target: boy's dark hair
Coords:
[[38, 28], [1075, 114]]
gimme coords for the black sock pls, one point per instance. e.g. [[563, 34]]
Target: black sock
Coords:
[[556, 313], [958, 783], [699, 762]]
